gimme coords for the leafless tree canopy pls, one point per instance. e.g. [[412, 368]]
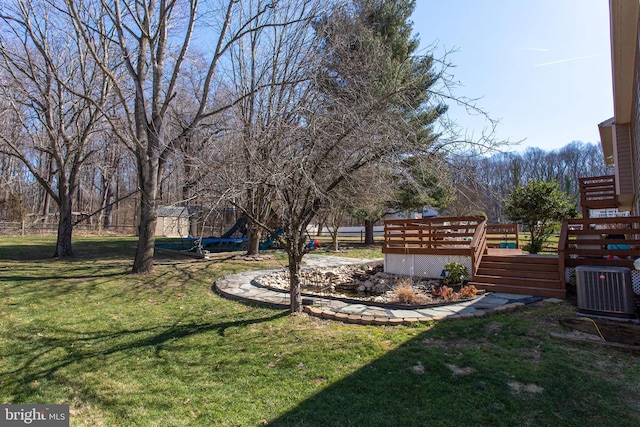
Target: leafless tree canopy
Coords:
[[290, 111], [54, 94]]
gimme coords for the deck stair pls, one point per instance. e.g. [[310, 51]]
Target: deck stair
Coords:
[[537, 275]]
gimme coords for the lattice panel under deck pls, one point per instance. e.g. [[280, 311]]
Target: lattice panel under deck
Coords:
[[421, 265]]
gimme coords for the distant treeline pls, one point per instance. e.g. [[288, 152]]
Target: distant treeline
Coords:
[[482, 183]]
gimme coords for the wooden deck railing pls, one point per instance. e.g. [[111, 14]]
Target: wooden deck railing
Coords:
[[431, 235], [597, 192], [503, 236], [478, 247], [599, 242], [463, 236]]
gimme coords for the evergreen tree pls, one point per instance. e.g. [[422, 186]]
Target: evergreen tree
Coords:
[[539, 205], [377, 54]]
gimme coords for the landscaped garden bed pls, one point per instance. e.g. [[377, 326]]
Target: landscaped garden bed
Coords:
[[369, 284]]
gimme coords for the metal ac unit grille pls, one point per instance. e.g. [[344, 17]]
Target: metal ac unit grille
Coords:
[[605, 290]]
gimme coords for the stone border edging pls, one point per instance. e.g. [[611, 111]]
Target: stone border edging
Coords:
[[234, 297], [390, 321]]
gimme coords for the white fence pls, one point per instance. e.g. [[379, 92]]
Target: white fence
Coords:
[[378, 231], [25, 229]]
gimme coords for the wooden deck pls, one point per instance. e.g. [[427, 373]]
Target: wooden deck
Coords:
[[497, 262], [496, 267]]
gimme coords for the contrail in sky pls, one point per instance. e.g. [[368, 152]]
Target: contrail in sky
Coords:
[[538, 49], [565, 60]]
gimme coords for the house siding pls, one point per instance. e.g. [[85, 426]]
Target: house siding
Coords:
[[624, 160], [635, 125]]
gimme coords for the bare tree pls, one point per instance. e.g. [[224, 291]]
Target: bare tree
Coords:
[[269, 76], [155, 40], [356, 113], [50, 78]]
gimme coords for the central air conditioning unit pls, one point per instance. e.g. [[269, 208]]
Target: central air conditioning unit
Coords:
[[605, 291]]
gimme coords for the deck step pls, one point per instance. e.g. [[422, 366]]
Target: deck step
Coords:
[[536, 275], [517, 273], [517, 281], [519, 266], [527, 259], [538, 292]]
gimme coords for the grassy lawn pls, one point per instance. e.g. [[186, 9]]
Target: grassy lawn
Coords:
[[163, 350]]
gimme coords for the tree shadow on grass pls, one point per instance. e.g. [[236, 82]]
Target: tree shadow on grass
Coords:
[[12, 276], [474, 381], [47, 354], [47, 279], [36, 283], [84, 249]]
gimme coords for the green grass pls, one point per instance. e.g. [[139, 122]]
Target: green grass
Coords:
[[550, 245], [354, 251], [163, 350]]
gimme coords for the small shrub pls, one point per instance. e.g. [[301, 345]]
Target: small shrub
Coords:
[[468, 291], [534, 247], [404, 292], [444, 292], [454, 273]]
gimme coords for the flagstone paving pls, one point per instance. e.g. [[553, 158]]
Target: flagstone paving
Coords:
[[240, 286]]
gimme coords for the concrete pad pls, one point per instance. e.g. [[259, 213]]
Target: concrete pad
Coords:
[[490, 300], [375, 313], [406, 313], [354, 309], [440, 310], [509, 296]]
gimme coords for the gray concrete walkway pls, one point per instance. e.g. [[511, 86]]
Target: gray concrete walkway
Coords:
[[241, 287]]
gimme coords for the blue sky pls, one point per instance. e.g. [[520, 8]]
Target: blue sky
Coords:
[[542, 67]]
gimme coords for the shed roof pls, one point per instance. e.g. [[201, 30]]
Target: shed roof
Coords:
[[173, 211]]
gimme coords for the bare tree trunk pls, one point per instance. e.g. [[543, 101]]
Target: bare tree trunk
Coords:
[[143, 262], [65, 226], [108, 207], [253, 231], [295, 265], [368, 232], [46, 197], [334, 238], [45, 206]]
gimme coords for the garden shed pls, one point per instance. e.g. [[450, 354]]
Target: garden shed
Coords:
[[173, 221]]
